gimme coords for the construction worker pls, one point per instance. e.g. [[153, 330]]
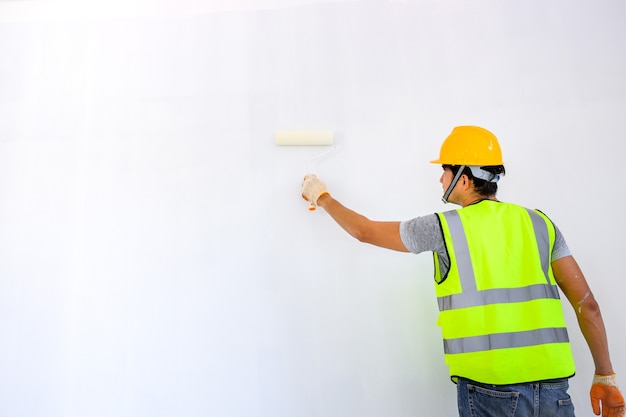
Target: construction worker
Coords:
[[498, 267]]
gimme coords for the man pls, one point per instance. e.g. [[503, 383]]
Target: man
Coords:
[[498, 267]]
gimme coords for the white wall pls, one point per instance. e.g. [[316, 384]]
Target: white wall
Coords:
[[155, 256]]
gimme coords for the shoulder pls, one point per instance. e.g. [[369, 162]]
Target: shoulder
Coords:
[[422, 221]]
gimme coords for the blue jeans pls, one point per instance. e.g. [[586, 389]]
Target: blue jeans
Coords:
[[542, 399]]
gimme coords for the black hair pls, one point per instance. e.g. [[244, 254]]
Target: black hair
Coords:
[[482, 187]]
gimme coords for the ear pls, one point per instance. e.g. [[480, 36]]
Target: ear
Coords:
[[467, 182]]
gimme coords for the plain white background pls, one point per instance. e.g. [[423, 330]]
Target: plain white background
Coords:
[[156, 258]]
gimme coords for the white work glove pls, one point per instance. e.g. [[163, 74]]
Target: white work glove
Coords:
[[312, 190], [605, 392]]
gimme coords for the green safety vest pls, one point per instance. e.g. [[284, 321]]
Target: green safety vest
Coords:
[[499, 308]]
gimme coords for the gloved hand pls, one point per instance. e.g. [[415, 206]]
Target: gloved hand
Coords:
[[604, 390], [313, 189]]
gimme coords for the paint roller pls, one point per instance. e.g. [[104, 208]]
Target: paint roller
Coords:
[[307, 138]]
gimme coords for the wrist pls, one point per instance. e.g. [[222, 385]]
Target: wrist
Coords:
[[604, 371], [323, 198], [605, 380]]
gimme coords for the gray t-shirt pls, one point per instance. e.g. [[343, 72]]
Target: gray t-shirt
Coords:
[[423, 234]]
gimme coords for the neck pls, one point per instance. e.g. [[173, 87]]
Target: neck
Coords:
[[475, 198]]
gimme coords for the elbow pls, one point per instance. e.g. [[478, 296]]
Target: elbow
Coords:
[[362, 232], [588, 306], [361, 235]]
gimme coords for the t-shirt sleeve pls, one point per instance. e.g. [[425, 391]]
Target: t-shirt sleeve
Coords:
[[560, 249], [422, 234]]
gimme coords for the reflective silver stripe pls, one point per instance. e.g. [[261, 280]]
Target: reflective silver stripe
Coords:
[[461, 249], [543, 241], [498, 296], [470, 296], [505, 340]]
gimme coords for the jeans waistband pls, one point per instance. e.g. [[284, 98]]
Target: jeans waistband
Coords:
[[542, 382]]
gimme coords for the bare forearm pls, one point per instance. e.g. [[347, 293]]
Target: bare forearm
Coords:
[[592, 328], [351, 221], [383, 234]]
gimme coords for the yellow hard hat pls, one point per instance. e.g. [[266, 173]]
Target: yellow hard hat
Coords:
[[470, 145]]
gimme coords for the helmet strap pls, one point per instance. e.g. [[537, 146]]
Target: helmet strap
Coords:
[[452, 184]]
